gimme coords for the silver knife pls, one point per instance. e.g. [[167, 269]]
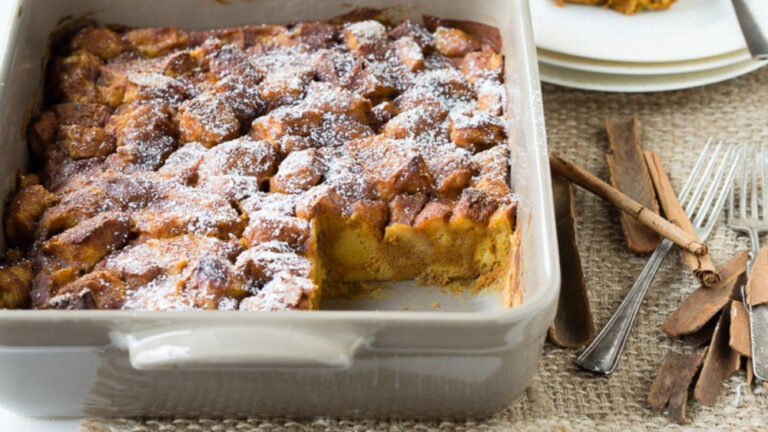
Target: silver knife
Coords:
[[753, 34]]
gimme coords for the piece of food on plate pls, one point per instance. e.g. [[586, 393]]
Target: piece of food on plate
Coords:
[[627, 7]]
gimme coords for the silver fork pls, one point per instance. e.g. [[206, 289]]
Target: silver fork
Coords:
[[753, 223], [603, 353]]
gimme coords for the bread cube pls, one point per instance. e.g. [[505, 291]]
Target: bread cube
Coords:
[[85, 142], [242, 156], [452, 42], [284, 292], [231, 187], [409, 53], [182, 164], [476, 130], [184, 210], [404, 208], [25, 208], [298, 172], [493, 162], [242, 95], [111, 84], [475, 205], [265, 226], [152, 42], [451, 169], [395, 166], [281, 204], [433, 212], [152, 85], [491, 97], [320, 200], [331, 65], [144, 132], [364, 80], [212, 281], [446, 86], [105, 289], [371, 213], [74, 77], [366, 37], [483, 65], [179, 64], [15, 285], [100, 41], [262, 262], [414, 122], [207, 119], [296, 121], [330, 99], [86, 243], [284, 87], [171, 258]]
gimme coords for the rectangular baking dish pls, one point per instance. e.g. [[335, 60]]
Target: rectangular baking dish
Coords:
[[469, 358]]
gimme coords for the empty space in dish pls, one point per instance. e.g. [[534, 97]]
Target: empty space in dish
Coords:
[[410, 296]]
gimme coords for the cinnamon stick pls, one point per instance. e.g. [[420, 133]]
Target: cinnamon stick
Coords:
[[704, 303], [573, 326], [630, 175], [757, 284], [720, 363], [702, 266], [589, 181], [739, 329], [671, 383]]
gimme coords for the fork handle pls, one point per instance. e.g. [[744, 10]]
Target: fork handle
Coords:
[[754, 241], [758, 318], [603, 353]]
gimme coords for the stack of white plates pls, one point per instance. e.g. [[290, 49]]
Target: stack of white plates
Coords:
[[694, 43]]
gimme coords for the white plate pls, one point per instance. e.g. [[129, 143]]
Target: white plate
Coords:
[[690, 29], [642, 83], [626, 68]]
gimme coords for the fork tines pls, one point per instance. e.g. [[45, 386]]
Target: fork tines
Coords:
[[752, 203], [712, 176]]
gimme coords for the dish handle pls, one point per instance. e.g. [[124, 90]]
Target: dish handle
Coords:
[[238, 348]]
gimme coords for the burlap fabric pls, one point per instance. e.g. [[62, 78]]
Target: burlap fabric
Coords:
[[560, 397]]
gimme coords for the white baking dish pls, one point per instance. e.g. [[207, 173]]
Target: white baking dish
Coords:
[[469, 358]]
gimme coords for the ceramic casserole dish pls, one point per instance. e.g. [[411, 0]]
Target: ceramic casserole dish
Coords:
[[471, 357]]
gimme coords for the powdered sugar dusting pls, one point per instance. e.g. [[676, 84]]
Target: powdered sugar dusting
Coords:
[[367, 32], [223, 147], [285, 291]]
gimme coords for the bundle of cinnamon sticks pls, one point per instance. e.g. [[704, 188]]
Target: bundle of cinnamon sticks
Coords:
[[637, 179], [632, 191], [712, 319]]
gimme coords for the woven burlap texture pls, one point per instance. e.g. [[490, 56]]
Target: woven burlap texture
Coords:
[[561, 397]]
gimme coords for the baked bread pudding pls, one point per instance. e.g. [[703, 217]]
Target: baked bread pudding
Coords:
[[256, 167], [627, 7]]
